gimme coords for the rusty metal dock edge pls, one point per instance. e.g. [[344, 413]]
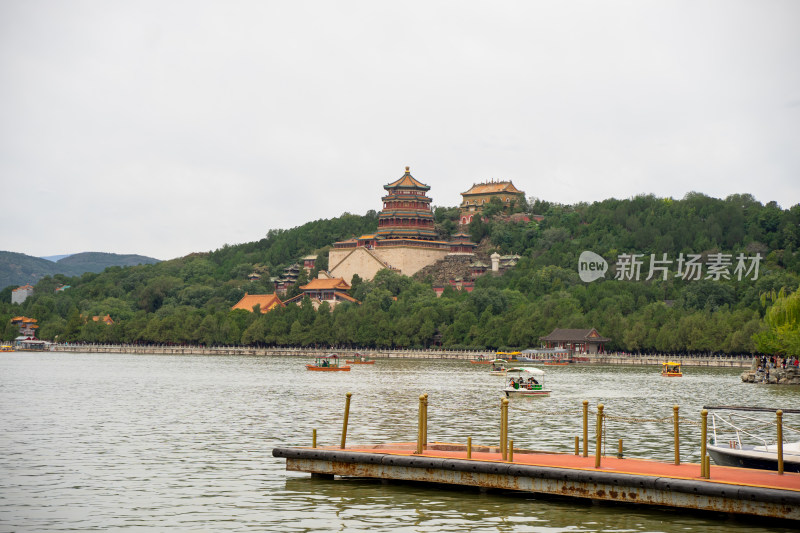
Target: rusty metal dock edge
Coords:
[[592, 484]]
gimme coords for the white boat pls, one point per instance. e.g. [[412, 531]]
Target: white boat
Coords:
[[498, 367], [734, 441], [525, 381]]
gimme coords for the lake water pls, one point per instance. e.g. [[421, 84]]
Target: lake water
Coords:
[[108, 442]]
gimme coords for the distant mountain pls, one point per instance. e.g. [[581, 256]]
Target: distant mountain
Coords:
[[99, 261], [55, 258], [18, 269]]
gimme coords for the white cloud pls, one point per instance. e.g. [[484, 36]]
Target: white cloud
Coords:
[[167, 128]]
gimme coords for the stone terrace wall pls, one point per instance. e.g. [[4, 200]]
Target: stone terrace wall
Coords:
[[451, 267], [464, 355]]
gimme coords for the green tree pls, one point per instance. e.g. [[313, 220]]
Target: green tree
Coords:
[[782, 325], [72, 329]]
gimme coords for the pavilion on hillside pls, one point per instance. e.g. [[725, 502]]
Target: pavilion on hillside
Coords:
[[107, 320], [27, 326], [267, 302], [318, 290], [460, 243], [482, 193], [287, 279], [309, 261]]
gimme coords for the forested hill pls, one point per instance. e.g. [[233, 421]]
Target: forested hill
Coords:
[[99, 261], [18, 269], [188, 300]]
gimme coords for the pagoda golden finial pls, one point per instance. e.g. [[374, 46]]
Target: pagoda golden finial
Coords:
[[408, 168]]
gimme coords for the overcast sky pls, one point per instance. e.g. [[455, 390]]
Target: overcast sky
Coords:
[[164, 128]]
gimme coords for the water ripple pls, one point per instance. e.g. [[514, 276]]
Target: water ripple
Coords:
[[104, 442]]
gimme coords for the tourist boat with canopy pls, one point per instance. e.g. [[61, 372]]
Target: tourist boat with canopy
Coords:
[[6, 348], [498, 367], [525, 381], [511, 357], [360, 359], [738, 439], [327, 363], [671, 370]]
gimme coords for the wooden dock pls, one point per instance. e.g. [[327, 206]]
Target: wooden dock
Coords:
[[635, 481]]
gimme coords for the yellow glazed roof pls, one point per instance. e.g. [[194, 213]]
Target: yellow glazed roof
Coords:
[[266, 301], [493, 188], [407, 181], [318, 284]]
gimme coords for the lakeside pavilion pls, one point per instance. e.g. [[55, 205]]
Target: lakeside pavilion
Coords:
[[587, 341]]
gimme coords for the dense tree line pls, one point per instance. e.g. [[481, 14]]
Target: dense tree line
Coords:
[[782, 332], [188, 300]]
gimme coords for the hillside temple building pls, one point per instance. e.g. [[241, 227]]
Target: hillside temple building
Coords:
[[405, 241], [266, 302], [481, 193], [20, 294]]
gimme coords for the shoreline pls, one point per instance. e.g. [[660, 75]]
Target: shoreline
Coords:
[[458, 355]]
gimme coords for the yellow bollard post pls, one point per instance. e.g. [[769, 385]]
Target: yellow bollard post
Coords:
[[346, 416], [469, 447], [586, 428], [506, 424], [703, 434], [419, 424], [599, 445], [577, 445], [779, 415], [677, 434], [708, 466], [511, 450], [425, 423], [504, 418], [502, 430], [619, 450], [314, 439]]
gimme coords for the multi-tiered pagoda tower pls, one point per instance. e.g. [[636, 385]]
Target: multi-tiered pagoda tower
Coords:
[[406, 211], [406, 240]]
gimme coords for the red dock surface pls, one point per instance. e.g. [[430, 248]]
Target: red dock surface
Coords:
[[719, 474], [635, 481]]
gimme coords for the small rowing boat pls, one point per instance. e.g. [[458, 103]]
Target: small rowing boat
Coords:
[[360, 360], [328, 363], [498, 367]]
